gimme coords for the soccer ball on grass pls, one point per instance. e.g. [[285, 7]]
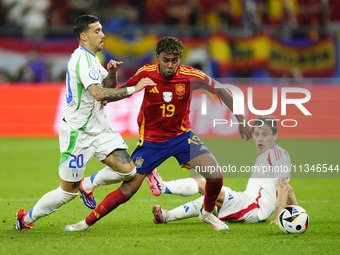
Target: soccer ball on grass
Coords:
[[293, 219]]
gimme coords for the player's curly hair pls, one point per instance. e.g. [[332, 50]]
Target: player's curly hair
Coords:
[[266, 120], [81, 24], [169, 45]]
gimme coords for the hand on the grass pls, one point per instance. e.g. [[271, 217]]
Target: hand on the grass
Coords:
[[274, 222]]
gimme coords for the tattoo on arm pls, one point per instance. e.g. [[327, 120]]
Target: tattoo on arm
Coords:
[[107, 94], [110, 81], [116, 94]]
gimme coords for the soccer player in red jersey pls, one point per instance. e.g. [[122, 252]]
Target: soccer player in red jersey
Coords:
[[164, 128]]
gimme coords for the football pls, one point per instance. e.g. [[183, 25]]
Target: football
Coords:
[[293, 219]]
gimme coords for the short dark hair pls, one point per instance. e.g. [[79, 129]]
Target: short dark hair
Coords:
[[81, 24], [169, 45], [269, 120]]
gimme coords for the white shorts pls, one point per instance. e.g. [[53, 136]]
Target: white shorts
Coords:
[[78, 147], [238, 207]]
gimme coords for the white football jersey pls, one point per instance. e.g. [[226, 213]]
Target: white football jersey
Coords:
[[84, 113], [269, 166]]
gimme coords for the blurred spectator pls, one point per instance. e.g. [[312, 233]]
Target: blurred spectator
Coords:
[[114, 3], [312, 15], [2, 13], [35, 69], [250, 18], [13, 11], [77, 8], [222, 13], [182, 12], [61, 77], [205, 11], [34, 20], [276, 12], [24, 74], [30, 15], [312, 12], [230, 12], [155, 11], [38, 66], [59, 14], [121, 20], [293, 76], [4, 77], [334, 10]]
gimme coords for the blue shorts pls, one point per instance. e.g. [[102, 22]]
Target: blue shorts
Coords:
[[185, 147]]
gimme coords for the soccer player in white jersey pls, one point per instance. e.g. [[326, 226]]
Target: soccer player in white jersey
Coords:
[[84, 132], [267, 188]]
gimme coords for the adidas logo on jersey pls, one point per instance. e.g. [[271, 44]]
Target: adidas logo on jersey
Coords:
[[230, 197], [154, 90]]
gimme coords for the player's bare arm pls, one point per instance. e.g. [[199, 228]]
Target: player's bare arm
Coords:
[[107, 94], [227, 99], [112, 94], [111, 80], [282, 197], [291, 196]]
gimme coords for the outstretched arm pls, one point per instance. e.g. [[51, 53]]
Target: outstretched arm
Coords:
[[285, 194], [112, 94], [227, 99]]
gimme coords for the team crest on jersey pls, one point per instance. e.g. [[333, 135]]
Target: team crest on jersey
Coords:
[[167, 96], [94, 75], [180, 89], [139, 161], [75, 173]]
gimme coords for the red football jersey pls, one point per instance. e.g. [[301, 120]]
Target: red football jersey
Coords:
[[165, 109]]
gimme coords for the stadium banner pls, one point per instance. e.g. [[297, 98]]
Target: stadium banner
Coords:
[[312, 59], [55, 53], [219, 55], [239, 54], [33, 110]]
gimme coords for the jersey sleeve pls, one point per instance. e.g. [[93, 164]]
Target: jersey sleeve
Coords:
[[103, 72], [86, 74], [201, 80], [279, 160], [136, 78]]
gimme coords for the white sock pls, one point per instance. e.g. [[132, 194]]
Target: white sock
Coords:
[[106, 176], [187, 210], [48, 204], [184, 187]]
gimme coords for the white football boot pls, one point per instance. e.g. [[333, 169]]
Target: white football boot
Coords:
[[212, 220]]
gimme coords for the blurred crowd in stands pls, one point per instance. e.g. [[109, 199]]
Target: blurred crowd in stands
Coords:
[[36, 19], [35, 16]]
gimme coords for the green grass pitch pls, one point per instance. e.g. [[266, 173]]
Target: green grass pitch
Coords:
[[29, 169]]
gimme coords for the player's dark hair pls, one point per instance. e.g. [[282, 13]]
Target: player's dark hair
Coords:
[[81, 24], [266, 120], [169, 45]]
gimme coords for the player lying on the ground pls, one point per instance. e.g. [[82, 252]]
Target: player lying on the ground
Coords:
[[264, 192]]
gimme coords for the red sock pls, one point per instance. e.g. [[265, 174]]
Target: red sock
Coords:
[[212, 189], [110, 202]]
